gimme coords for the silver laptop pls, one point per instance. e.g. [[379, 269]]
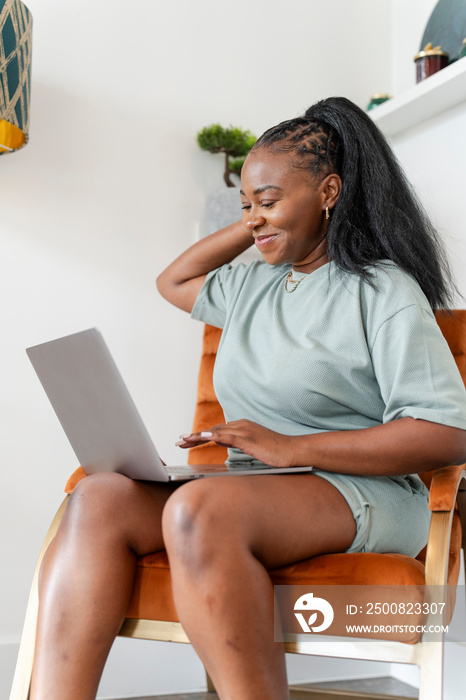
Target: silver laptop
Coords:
[[99, 417]]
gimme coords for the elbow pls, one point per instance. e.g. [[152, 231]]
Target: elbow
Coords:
[[439, 445], [455, 449], [159, 283], [173, 292], [162, 286]]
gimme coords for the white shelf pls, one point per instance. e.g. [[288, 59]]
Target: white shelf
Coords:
[[427, 99]]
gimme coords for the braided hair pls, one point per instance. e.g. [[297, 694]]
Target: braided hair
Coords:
[[377, 216]]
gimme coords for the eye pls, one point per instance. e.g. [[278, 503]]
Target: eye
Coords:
[[267, 204], [245, 206]]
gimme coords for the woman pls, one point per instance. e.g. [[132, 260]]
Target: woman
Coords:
[[330, 356]]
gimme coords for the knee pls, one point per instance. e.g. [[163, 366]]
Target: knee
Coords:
[[91, 516], [98, 497], [192, 523]]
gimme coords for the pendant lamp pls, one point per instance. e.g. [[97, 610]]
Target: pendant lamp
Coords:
[[15, 74]]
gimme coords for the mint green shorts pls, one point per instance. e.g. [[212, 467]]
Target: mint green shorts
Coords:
[[391, 512]]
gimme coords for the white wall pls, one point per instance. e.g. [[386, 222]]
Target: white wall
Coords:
[[110, 188], [433, 155]]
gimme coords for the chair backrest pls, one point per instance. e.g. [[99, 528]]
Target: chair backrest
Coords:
[[208, 411], [453, 327]]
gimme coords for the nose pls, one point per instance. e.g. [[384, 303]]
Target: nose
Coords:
[[253, 220]]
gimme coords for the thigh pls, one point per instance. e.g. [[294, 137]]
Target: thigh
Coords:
[[282, 518]]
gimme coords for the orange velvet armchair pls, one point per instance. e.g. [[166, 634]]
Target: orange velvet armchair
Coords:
[[152, 614]]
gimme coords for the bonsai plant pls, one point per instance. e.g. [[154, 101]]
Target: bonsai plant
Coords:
[[233, 142]]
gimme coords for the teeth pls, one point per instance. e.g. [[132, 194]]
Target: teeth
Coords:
[[266, 239]]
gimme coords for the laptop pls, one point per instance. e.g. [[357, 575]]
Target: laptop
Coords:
[[99, 417]]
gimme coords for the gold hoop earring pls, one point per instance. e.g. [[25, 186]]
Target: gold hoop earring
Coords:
[[327, 215]]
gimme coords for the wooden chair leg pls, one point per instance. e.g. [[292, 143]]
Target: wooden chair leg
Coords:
[[461, 500], [22, 677], [431, 676]]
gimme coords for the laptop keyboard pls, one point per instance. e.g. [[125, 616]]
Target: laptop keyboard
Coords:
[[203, 468]]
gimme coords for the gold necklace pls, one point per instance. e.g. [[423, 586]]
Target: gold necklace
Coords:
[[289, 279]]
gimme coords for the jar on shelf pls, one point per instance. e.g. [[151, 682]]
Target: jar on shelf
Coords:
[[377, 99], [429, 61]]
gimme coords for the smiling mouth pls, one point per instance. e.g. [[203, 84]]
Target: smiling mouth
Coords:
[[263, 241]]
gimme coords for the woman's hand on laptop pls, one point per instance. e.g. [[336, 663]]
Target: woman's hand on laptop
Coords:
[[262, 444]]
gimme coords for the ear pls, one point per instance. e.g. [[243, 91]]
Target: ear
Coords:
[[331, 188]]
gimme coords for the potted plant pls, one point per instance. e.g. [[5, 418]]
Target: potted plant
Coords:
[[233, 142], [224, 206]]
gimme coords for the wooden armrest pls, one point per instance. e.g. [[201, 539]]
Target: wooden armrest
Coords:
[[444, 486], [21, 680]]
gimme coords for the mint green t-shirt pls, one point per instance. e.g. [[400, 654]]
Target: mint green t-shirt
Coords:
[[335, 354]]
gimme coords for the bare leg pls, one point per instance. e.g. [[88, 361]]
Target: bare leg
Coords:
[[221, 536], [86, 581]]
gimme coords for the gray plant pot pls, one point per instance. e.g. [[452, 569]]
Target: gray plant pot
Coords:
[[223, 207]]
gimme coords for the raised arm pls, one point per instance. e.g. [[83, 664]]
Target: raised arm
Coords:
[[181, 281]]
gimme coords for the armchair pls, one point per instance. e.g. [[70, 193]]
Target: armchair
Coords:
[[154, 617]]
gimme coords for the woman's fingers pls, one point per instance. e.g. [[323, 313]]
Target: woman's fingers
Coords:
[[255, 440], [217, 433], [238, 434]]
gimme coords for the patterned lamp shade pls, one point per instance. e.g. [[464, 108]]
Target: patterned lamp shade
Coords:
[[15, 74]]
